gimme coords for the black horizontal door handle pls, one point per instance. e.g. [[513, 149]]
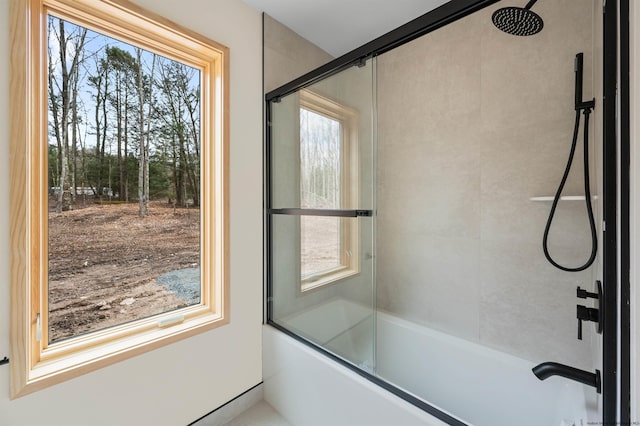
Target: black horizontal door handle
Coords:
[[322, 212]]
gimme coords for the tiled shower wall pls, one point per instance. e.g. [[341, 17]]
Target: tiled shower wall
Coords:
[[472, 122], [287, 55]]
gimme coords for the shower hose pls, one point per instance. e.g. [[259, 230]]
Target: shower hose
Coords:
[[587, 196]]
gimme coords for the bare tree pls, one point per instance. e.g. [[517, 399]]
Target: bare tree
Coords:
[[100, 81], [123, 69], [150, 114], [141, 158], [63, 78], [182, 122], [145, 134]]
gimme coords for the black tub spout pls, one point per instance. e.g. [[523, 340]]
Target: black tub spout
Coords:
[[548, 369]]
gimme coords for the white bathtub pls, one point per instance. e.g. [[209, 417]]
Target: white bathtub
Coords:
[[479, 385]]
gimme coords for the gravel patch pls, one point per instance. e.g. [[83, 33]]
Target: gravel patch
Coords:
[[185, 283]]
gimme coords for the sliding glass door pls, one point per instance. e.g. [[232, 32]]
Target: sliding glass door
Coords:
[[320, 214]]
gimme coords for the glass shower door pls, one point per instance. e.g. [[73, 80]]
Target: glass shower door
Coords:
[[320, 214]]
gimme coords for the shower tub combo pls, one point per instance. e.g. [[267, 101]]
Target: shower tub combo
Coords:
[[487, 386], [418, 243]]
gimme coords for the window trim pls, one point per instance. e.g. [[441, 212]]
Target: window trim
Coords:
[[349, 228], [34, 363]]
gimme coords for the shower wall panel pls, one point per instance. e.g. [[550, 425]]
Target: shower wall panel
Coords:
[[287, 55], [472, 123]]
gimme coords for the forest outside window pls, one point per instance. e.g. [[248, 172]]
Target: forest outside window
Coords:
[[328, 180], [119, 186]]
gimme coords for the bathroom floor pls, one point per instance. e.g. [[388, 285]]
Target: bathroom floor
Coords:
[[260, 414]]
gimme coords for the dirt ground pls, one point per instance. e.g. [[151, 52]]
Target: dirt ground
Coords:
[[320, 245], [104, 261]]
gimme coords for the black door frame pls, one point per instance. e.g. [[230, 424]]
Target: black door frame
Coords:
[[616, 396]]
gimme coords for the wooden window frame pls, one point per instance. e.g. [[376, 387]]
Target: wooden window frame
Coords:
[[349, 227], [36, 364]]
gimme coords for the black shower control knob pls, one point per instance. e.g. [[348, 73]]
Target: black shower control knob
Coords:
[[583, 294], [585, 314]]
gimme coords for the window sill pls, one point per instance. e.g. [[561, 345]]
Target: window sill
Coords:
[[329, 277], [71, 358]]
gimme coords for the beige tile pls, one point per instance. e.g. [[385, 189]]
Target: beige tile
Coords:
[[431, 183], [430, 82], [528, 308], [287, 55], [472, 123], [431, 280], [533, 76]]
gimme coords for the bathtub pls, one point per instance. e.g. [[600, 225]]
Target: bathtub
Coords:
[[475, 384]]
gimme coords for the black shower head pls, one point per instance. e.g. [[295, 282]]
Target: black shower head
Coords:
[[520, 21]]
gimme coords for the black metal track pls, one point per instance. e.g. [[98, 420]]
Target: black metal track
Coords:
[[610, 212], [625, 253], [266, 187], [322, 212], [443, 15], [268, 222]]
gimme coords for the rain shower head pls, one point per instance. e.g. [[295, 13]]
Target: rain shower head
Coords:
[[520, 21]]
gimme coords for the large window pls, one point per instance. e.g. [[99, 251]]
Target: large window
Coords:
[[328, 180], [119, 188]]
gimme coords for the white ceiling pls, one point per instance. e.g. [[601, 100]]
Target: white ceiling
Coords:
[[339, 26]]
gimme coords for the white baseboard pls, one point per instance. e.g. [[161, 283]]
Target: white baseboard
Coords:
[[232, 409]]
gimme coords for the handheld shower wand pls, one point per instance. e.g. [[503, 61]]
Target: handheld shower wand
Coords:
[[586, 108]]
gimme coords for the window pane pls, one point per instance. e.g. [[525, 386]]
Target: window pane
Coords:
[[320, 244], [124, 182], [320, 187], [320, 161]]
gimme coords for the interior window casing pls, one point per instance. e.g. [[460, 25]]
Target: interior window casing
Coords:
[[35, 364], [349, 231]]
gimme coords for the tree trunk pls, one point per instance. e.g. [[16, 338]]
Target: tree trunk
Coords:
[[68, 112], [148, 138], [98, 106], [177, 176], [55, 111], [74, 136], [119, 138], [125, 183], [64, 120], [141, 143]]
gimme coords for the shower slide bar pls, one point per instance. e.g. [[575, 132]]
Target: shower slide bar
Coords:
[[322, 212]]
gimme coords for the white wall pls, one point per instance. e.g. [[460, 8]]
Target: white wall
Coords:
[[183, 381]]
